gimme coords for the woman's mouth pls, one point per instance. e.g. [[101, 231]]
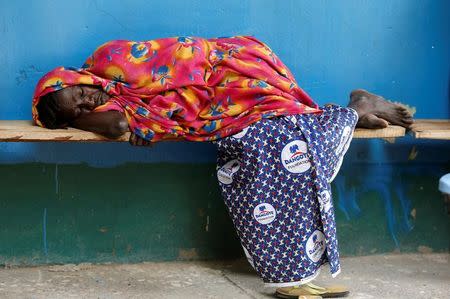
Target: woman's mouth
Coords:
[[101, 98]]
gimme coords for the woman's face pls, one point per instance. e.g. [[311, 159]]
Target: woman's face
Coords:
[[78, 100]]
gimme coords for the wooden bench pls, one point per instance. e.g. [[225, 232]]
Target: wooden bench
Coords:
[[25, 131], [431, 129]]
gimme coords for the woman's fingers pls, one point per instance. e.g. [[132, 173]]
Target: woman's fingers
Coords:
[[132, 139], [145, 142], [138, 141]]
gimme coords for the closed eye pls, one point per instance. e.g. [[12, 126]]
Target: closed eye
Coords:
[[81, 91]]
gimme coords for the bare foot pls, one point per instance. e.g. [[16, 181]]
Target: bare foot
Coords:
[[376, 113]]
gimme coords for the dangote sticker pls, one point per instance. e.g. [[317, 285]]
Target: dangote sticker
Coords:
[[264, 213], [294, 156], [315, 246], [241, 133], [344, 138], [225, 173], [325, 200]]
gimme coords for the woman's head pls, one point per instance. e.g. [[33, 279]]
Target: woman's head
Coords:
[[59, 108], [64, 93]]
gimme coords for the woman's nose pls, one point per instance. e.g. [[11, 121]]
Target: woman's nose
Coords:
[[89, 101]]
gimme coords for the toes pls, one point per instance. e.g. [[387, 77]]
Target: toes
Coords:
[[404, 112], [400, 120], [407, 123], [372, 121], [395, 120]]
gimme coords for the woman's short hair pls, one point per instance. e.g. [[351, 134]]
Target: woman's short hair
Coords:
[[49, 112]]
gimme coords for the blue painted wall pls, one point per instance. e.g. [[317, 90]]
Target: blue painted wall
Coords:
[[399, 49]]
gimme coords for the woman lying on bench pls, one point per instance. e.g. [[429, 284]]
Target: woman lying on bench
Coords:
[[277, 150]]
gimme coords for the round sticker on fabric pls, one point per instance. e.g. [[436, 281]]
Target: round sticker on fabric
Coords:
[[225, 173], [325, 200], [264, 213], [241, 133], [292, 119], [315, 246], [294, 156], [344, 138]]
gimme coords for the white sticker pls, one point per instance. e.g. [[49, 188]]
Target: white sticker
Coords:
[[325, 200], [292, 119], [315, 246], [264, 213], [225, 173], [241, 133], [294, 156], [344, 138]]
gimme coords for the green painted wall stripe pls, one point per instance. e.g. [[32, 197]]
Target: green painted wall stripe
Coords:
[[155, 212]]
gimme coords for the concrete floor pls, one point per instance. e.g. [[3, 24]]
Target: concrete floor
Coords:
[[381, 276]]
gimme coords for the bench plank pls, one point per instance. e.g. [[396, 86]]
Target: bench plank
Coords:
[[431, 129], [389, 132], [24, 130]]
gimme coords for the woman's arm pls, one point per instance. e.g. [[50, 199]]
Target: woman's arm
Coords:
[[111, 124]]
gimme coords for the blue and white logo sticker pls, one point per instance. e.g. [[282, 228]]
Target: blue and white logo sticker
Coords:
[[292, 118], [325, 200], [294, 156], [264, 213], [346, 132], [225, 173], [241, 133], [315, 246]]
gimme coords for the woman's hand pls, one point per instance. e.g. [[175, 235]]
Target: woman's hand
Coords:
[[136, 140]]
